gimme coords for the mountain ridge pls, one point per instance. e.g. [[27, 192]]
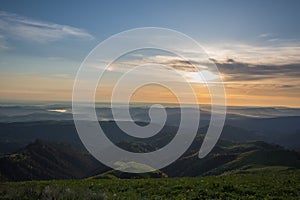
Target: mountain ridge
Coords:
[[44, 160]]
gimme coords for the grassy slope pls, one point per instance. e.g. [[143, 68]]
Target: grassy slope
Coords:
[[283, 185]]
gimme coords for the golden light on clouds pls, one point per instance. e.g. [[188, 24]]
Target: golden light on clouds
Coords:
[[246, 84]]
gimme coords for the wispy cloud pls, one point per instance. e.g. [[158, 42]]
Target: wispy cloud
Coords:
[[62, 76], [3, 44], [273, 40], [173, 62], [268, 37], [264, 35], [281, 53], [20, 27]]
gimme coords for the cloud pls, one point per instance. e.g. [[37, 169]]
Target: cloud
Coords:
[[273, 40], [62, 76], [237, 63], [3, 44], [230, 69], [282, 52], [19, 27], [174, 62], [236, 71], [264, 35], [239, 71]]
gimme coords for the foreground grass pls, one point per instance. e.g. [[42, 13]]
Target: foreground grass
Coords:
[[283, 185]]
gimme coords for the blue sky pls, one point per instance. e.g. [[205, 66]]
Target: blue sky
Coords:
[[235, 19], [206, 21], [51, 38]]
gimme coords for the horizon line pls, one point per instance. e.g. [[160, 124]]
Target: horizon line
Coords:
[[18, 101]]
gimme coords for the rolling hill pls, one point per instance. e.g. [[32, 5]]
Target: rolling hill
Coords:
[[45, 161]]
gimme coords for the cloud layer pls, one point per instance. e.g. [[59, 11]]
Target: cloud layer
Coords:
[[238, 71]]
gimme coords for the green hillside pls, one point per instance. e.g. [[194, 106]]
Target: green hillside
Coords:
[[43, 161], [283, 185], [232, 157]]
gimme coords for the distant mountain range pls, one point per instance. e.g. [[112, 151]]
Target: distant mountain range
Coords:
[[44, 112], [14, 136], [41, 142]]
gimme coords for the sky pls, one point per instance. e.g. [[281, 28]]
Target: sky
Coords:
[[255, 44]]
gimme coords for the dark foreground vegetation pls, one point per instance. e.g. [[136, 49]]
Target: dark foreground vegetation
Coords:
[[279, 185]]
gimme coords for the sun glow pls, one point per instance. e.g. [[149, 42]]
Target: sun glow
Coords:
[[200, 77]]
